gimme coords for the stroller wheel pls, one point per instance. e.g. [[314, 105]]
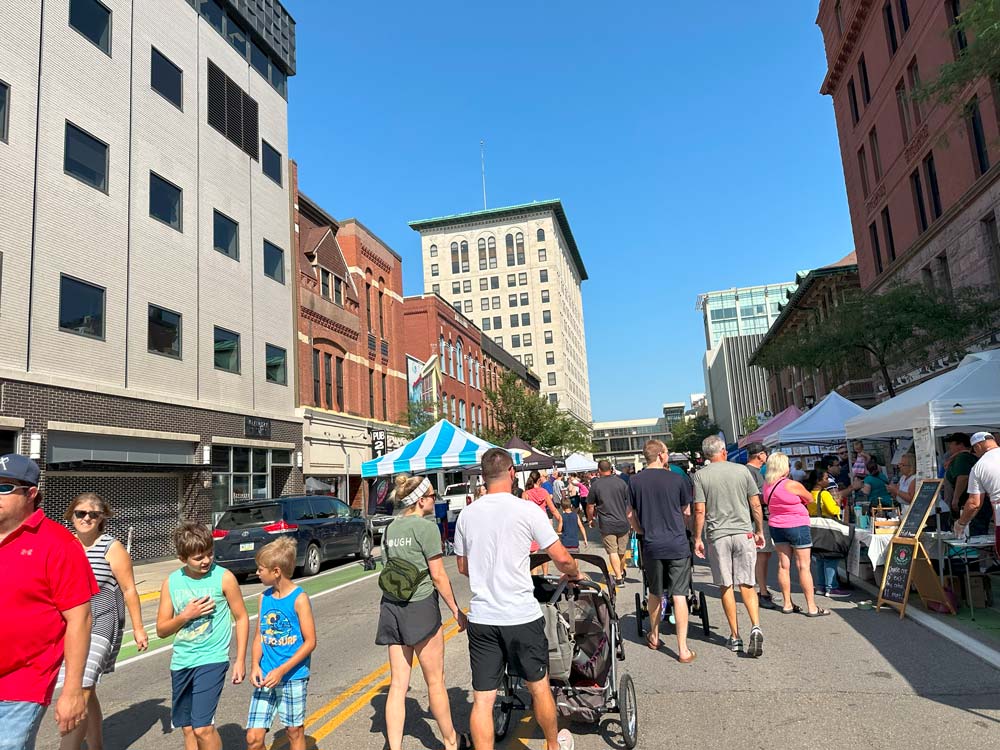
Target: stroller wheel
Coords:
[[503, 707], [703, 608], [628, 711], [640, 612]]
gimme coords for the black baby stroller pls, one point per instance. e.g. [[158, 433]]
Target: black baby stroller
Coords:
[[696, 602], [585, 646]]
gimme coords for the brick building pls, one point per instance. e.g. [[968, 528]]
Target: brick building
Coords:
[[922, 179], [496, 361], [147, 318], [350, 359]]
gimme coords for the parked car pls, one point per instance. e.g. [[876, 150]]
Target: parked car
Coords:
[[324, 528], [458, 496]]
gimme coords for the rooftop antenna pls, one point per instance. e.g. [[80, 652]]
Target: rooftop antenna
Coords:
[[482, 161]]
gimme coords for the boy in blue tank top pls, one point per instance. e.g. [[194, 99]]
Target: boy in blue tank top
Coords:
[[198, 605], [281, 650]]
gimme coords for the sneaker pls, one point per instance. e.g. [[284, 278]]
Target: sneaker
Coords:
[[756, 642], [735, 645], [565, 740], [838, 593]]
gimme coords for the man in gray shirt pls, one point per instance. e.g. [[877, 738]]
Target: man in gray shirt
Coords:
[[722, 491]]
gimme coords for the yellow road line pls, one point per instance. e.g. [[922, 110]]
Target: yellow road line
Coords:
[[148, 596], [523, 731]]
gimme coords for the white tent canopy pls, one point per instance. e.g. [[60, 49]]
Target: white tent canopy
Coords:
[[965, 398], [443, 446], [822, 424], [577, 462]]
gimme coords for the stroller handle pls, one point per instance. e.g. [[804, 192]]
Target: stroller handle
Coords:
[[560, 589]]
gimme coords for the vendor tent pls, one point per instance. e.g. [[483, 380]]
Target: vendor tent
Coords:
[[822, 424], [771, 426], [965, 398], [530, 458], [443, 446], [577, 462]]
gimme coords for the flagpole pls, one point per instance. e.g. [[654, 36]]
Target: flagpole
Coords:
[[482, 161]]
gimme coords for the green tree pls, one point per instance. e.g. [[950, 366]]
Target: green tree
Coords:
[[420, 416], [750, 423], [906, 323], [687, 435]]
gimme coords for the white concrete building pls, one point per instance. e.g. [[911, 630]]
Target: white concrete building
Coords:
[[516, 271], [147, 299]]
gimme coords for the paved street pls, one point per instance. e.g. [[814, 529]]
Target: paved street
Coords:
[[855, 678]]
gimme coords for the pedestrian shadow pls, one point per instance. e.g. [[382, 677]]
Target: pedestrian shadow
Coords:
[[126, 727], [234, 736], [420, 724]]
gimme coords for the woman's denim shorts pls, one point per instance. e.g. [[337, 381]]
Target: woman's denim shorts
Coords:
[[797, 537]]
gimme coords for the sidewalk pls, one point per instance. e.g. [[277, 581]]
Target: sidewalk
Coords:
[[149, 576]]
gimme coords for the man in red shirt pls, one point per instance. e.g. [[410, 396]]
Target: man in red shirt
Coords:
[[45, 612]]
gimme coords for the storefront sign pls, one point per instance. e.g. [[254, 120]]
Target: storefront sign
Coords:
[[257, 427], [378, 443]]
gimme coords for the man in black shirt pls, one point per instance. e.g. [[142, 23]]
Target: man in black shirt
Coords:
[[610, 499]]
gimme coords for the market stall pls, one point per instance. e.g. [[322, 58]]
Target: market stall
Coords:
[[775, 423], [821, 425], [577, 463]]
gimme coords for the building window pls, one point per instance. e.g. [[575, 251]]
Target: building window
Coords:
[[465, 256], [467, 306], [944, 274], [270, 162], [913, 77], [542, 257], [917, 190], [371, 393], [385, 398], [540, 235], [903, 105], [436, 288], [977, 138], [522, 278], [512, 300], [511, 280], [515, 341], [434, 251], [890, 28], [852, 100], [456, 287], [485, 324], [876, 249], [545, 295], [274, 262], [434, 269], [444, 355], [517, 358], [497, 322], [163, 332], [481, 250], [324, 282], [484, 284], [495, 302], [547, 336], [484, 303], [866, 91], [546, 316], [543, 276], [328, 379], [526, 339], [498, 340], [514, 320], [317, 379], [81, 307], [554, 399], [166, 79], [904, 15], [550, 358], [93, 20], [551, 377], [86, 158], [340, 384], [838, 16], [524, 299], [876, 157], [275, 370], [526, 319], [227, 350], [457, 306], [529, 360], [455, 263], [992, 242], [494, 282], [890, 243], [519, 241], [4, 110], [232, 111], [509, 244], [958, 39], [930, 175], [166, 202], [492, 245], [226, 235], [467, 286]]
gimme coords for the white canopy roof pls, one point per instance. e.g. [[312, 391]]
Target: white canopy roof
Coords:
[[824, 423], [576, 462], [965, 398], [443, 446]]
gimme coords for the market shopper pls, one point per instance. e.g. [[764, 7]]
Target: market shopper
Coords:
[[960, 464], [536, 493], [609, 502], [904, 490], [112, 568], [506, 627], [46, 607], [756, 456], [984, 488], [823, 506], [875, 486], [727, 504]]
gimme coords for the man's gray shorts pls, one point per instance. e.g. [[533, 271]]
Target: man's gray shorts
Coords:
[[732, 559]]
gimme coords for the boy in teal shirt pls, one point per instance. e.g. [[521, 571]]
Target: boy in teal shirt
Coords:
[[198, 605]]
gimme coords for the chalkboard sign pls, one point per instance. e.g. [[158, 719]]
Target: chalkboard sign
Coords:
[[922, 506], [898, 568]]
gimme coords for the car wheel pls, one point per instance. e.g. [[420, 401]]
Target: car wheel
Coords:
[[365, 547], [313, 561]]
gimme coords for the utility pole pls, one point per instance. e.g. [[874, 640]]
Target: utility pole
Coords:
[[482, 161]]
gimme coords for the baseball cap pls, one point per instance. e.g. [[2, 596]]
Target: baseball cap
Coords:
[[755, 448], [980, 437], [21, 468]]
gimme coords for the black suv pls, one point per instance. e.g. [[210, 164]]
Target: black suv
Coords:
[[324, 528]]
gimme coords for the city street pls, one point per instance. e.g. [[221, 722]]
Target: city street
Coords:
[[855, 678]]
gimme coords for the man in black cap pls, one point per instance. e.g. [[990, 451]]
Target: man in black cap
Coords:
[[46, 610]]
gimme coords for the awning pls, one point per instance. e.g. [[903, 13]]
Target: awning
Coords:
[[821, 425], [107, 466], [76, 449], [443, 446]]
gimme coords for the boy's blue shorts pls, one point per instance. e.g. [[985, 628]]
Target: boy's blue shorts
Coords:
[[196, 692]]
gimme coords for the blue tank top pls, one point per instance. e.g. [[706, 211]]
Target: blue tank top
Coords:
[[281, 633], [570, 536]]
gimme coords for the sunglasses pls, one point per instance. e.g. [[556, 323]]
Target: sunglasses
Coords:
[[8, 489], [93, 515]]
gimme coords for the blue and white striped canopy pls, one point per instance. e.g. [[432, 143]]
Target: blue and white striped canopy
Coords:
[[443, 446]]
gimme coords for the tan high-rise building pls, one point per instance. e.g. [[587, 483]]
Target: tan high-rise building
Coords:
[[516, 272]]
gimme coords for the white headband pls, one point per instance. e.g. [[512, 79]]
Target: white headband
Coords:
[[425, 484]]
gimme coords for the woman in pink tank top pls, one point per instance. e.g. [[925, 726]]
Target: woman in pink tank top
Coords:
[[788, 517], [534, 492]]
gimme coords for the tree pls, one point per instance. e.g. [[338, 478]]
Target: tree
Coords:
[[533, 419], [750, 423], [687, 435], [420, 416], [906, 323]]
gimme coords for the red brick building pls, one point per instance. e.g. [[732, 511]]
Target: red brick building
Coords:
[[350, 359], [922, 179]]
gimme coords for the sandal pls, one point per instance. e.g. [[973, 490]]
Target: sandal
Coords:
[[819, 613], [795, 610], [649, 643], [689, 659]]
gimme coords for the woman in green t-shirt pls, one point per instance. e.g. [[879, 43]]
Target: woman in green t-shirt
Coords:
[[410, 616]]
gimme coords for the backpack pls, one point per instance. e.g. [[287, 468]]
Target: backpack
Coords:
[[400, 578]]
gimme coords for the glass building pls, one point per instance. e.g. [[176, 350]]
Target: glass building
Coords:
[[740, 311]]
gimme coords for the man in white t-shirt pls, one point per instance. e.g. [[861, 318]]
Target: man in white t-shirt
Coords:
[[984, 482], [506, 629]]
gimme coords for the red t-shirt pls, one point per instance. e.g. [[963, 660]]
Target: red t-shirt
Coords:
[[47, 573]]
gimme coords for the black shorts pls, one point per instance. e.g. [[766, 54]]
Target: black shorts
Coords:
[[676, 574], [521, 649], [407, 623]]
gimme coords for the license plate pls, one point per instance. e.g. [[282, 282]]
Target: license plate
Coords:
[[246, 546]]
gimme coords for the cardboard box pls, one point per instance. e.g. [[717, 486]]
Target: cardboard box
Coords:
[[980, 589]]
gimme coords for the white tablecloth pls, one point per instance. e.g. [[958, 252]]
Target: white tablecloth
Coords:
[[878, 546]]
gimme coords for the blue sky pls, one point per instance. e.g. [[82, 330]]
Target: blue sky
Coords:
[[691, 150]]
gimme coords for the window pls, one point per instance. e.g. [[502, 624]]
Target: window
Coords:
[[497, 323], [958, 39], [890, 27], [522, 278], [890, 244], [465, 256], [328, 379], [434, 251], [512, 300], [317, 379], [492, 245], [227, 350], [550, 358], [258, 59], [456, 287], [436, 288], [529, 360], [274, 364], [86, 158], [904, 15], [548, 337], [542, 257], [371, 394], [511, 280], [545, 295], [4, 110], [484, 303], [485, 324], [270, 162], [917, 190], [852, 100], [324, 277], [481, 249], [498, 340], [514, 320], [977, 138], [163, 332], [93, 21], [234, 35], [876, 250], [455, 263], [913, 76], [903, 105], [226, 235], [457, 306], [944, 274], [546, 316], [340, 383], [467, 306], [467, 286], [515, 341], [519, 241], [274, 262], [443, 349], [551, 378], [165, 202], [524, 299], [553, 398], [494, 282], [509, 243], [526, 339], [385, 397], [543, 276], [876, 158], [866, 91], [214, 14], [526, 319], [484, 284], [517, 358], [838, 15], [992, 242], [434, 269], [81, 307], [495, 303], [232, 111], [930, 175], [540, 235], [166, 79]]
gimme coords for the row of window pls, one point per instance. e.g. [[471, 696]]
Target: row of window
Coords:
[[82, 312], [454, 362], [519, 340], [329, 384], [487, 249], [455, 410], [490, 282], [460, 260]]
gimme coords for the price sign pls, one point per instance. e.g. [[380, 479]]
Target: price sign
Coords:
[[898, 568], [922, 505]]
